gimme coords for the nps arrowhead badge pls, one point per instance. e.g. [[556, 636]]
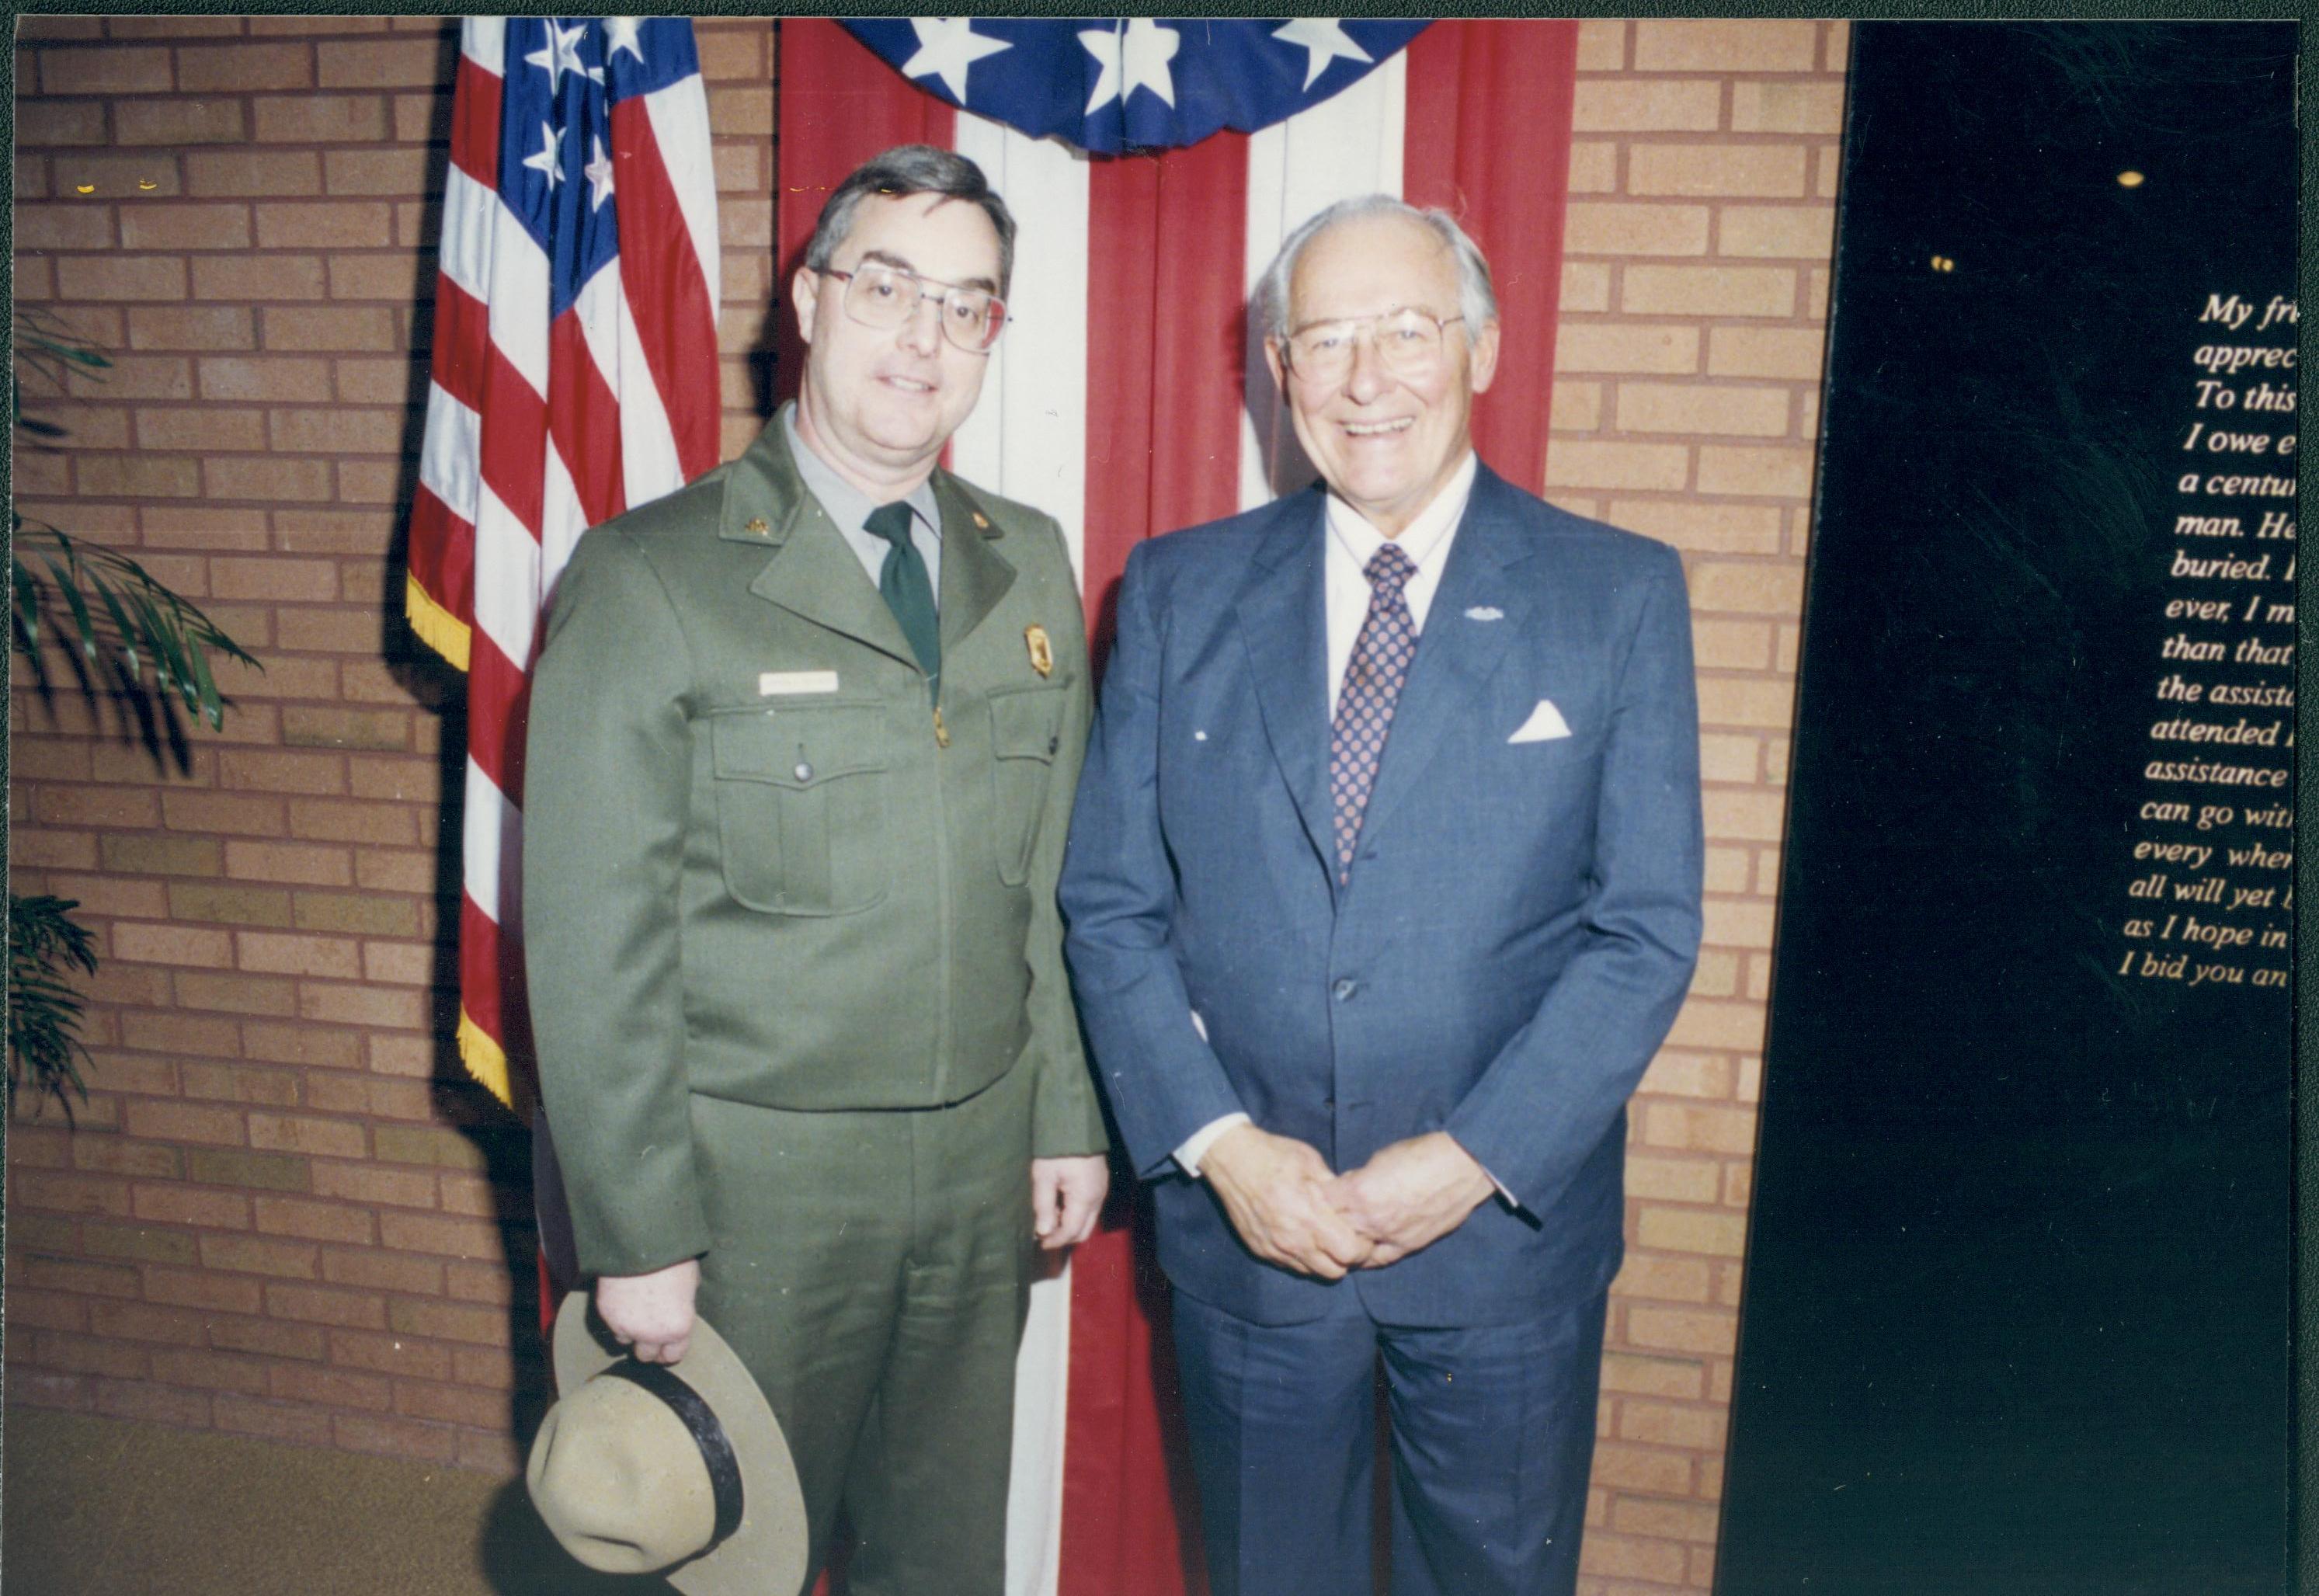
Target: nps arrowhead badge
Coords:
[[1042, 656]]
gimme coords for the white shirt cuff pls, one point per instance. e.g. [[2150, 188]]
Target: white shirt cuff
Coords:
[[1196, 1146]]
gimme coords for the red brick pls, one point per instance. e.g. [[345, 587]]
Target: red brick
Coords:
[[319, 119], [451, 1235], [385, 1271], [338, 1388], [392, 1354], [273, 1421], [305, 1133], [287, 1260], [185, 227], [447, 1322], [401, 63], [253, 172], [260, 277], [185, 1122], [48, 1309], [137, 476], [266, 478], [492, 1366], [269, 1336], [381, 825], [177, 123], [317, 1304], [410, 781], [203, 430], [82, 224], [401, 170], [123, 278], [238, 69], [340, 431], [151, 1405], [298, 1044], [173, 945], [369, 482], [84, 1356], [141, 1321], [316, 1221], [96, 806], [452, 1404], [215, 1371], [74, 1194], [109, 71], [362, 1182], [236, 993], [328, 327], [81, 1279], [42, 123], [265, 378], [363, 1006], [485, 1282], [396, 1437], [288, 862], [200, 1288], [335, 531], [223, 812], [192, 1205]]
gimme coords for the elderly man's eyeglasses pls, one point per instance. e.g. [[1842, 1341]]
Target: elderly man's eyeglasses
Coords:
[[1409, 343], [885, 296]]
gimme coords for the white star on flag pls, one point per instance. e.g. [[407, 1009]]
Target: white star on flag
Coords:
[[599, 173], [562, 54], [1135, 58], [549, 156], [1326, 38], [624, 34], [947, 47]]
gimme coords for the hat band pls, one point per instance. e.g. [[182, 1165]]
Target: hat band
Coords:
[[708, 1434]]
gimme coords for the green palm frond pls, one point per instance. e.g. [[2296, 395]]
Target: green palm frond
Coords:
[[43, 1010]]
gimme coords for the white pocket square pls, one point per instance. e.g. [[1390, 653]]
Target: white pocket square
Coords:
[[1545, 724]]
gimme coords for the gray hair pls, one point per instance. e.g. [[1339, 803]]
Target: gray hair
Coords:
[[1476, 299], [908, 169]]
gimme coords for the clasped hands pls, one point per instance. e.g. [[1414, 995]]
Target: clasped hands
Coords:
[[1292, 1210]]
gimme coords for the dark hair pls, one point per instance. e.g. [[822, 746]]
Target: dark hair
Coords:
[[907, 169]]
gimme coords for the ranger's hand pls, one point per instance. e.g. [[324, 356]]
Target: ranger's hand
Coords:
[[652, 1314], [1066, 1196]]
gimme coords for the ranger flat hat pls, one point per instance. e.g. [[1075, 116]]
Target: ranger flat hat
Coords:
[[677, 1468]]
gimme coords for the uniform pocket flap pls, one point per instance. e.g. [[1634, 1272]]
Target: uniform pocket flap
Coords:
[[1026, 722], [798, 746]]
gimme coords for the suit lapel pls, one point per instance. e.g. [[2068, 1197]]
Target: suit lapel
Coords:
[[1285, 624], [974, 577], [1455, 653], [812, 574]]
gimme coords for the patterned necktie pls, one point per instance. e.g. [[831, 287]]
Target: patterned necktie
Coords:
[[1380, 664], [902, 580]]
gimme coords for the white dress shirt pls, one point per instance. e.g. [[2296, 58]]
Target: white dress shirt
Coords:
[[1352, 542]]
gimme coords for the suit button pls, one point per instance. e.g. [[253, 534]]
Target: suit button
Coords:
[[1344, 990], [1328, 1106]]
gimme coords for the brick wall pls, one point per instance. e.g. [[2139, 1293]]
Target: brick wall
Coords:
[[284, 1209], [1703, 177], [284, 1212]]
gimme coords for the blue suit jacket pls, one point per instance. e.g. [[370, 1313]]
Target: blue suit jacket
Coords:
[[1521, 921]]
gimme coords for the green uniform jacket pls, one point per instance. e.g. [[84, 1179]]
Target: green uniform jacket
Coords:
[[752, 869]]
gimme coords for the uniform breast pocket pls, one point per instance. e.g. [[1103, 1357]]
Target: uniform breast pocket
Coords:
[[1026, 726], [801, 807]]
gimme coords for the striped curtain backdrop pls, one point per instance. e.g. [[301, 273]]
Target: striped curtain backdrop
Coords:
[[1130, 398]]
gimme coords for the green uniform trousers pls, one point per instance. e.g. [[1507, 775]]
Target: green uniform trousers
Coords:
[[872, 1267]]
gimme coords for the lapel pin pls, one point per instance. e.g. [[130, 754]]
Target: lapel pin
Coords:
[[981, 521], [756, 526], [1042, 656], [1485, 612]]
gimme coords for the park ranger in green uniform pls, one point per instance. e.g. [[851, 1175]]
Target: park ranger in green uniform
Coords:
[[803, 742]]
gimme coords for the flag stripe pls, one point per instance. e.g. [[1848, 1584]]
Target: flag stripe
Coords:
[[583, 413], [463, 342], [668, 293]]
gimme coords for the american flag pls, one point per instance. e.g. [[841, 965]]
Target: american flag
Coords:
[[1130, 397], [574, 375]]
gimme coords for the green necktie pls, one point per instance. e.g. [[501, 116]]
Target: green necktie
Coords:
[[907, 592]]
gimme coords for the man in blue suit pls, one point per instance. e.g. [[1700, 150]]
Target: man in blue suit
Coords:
[[1383, 889]]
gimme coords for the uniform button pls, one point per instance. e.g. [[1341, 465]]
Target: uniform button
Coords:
[[1345, 990], [1328, 1106], [804, 771]]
